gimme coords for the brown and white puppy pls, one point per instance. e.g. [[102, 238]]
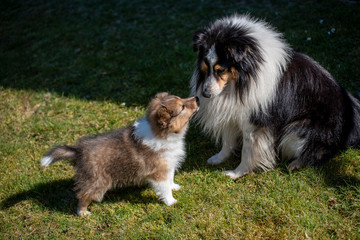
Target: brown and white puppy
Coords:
[[150, 151]]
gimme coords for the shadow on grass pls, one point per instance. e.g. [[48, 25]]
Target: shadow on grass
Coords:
[[336, 174], [59, 196]]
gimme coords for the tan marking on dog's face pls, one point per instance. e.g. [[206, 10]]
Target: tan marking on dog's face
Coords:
[[217, 68], [221, 75], [224, 75], [204, 67], [170, 114]]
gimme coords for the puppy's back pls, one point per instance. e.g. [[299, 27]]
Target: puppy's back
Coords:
[[116, 157]]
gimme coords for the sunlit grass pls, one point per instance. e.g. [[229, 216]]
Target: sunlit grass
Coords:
[[72, 68]]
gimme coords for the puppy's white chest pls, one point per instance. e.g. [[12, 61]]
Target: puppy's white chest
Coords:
[[175, 152], [172, 148]]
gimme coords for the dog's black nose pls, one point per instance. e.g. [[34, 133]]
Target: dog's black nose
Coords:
[[197, 100], [206, 94]]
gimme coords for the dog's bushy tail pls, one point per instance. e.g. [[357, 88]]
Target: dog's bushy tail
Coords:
[[58, 153]]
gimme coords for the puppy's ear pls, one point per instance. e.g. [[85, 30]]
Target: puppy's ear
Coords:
[[199, 39], [161, 95], [163, 117]]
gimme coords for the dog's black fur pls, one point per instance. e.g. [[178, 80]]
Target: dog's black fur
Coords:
[[314, 106]]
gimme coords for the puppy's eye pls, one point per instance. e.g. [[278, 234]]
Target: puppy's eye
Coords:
[[182, 107]]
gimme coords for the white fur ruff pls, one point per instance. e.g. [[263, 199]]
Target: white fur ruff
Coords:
[[226, 117], [226, 110], [172, 148]]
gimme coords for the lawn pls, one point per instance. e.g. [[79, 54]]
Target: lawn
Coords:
[[70, 68]]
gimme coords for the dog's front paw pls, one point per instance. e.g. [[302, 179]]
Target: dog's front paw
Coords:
[[170, 201], [232, 174], [216, 159], [175, 186]]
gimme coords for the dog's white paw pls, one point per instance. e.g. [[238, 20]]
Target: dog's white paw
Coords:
[[216, 159], [83, 213], [175, 186], [232, 174], [170, 201]]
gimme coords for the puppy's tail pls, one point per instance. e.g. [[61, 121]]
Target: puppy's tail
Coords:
[[58, 153]]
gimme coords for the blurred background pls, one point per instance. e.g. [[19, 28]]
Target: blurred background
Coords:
[[126, 51]]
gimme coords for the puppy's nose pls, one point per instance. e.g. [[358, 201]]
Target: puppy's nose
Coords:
[[197, 100]]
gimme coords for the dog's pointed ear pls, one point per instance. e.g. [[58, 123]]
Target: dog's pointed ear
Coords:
[[163, 117], [246, 57], [238, 54], [199, 39], [161, 95]]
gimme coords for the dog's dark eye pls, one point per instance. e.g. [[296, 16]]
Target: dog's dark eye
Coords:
[[220, 71], [183, 107]]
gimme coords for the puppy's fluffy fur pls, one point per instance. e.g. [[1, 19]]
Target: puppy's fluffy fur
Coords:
[[256, 90], [150, 151]]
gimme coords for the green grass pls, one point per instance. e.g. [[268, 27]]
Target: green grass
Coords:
[[71, 68]]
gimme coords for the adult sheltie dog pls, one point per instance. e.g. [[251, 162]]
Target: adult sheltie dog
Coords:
[[255, 90], [150, 151]]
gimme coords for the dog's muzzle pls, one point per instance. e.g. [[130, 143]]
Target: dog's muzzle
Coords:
[[206, 93]]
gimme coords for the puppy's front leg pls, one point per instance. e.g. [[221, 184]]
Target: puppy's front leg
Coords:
[[163, 191], [174, 186], [229, 143], [257, 152]]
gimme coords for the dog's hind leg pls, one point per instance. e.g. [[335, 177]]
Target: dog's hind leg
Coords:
[[90, 190], [257, 152], [229, 144], [315, 148], [315, 153], [82, 206], [85, 199]]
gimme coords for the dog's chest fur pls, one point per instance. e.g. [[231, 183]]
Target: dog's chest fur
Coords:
[[171, 149]]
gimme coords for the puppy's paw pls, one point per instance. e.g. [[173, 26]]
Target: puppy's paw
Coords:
[[170, 201], [216, 159], [175, 186], [83, 213]]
